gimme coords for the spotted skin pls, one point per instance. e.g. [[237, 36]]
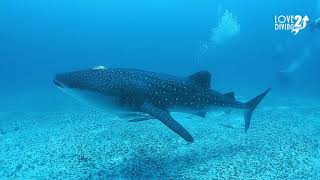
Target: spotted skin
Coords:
[[152, 93]]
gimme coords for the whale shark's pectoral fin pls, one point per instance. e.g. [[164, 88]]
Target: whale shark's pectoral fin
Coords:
[[166, 119]]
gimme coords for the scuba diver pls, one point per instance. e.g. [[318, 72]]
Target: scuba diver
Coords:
[[315, 24], [286, 75]]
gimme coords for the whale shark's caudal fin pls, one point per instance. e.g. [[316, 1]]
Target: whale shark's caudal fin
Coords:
[[252, 104]]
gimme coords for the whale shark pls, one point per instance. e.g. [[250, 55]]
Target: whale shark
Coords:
[[154, 95]]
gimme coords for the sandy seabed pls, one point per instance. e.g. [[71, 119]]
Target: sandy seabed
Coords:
[[47, 135]]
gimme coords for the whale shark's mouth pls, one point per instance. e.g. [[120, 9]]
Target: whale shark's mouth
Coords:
[[58, 84]]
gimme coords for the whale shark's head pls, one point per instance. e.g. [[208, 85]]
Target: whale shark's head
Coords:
[[81, 80], [78, 80], [91, 84], [76, 83]]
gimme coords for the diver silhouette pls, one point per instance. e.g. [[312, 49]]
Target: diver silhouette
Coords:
[[286, 75], [315, 24]]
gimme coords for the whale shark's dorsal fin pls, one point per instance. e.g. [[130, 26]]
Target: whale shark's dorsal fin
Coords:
[[230, 95], [201, 78]]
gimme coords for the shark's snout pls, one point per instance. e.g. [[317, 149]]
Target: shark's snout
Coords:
[[57, 83]]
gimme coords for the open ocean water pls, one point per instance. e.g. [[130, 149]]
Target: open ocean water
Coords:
[[46, 134]]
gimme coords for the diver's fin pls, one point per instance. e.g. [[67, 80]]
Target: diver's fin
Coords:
[[166, 119], [230, 95], [201, 78], [252, 104]]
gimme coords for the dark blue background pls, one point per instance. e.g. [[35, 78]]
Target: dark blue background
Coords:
[[39, 38]]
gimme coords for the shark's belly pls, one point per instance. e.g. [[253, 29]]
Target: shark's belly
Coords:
[[101, 101]]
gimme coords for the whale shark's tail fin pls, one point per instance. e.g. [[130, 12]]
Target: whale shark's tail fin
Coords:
[[252, 104]]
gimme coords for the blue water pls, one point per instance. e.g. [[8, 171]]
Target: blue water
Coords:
[[44, 134]]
